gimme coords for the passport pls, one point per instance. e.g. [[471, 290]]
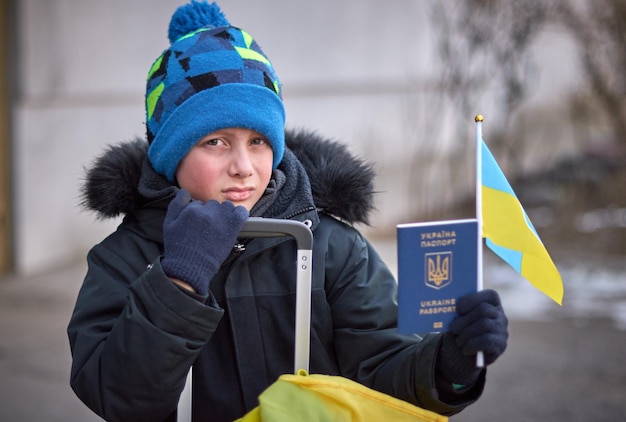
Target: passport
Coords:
[[437, 264]]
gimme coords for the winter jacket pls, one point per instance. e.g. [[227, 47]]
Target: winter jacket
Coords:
[[134, 334]]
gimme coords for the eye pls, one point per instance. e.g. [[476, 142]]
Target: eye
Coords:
[[258, 141], [211, 142]]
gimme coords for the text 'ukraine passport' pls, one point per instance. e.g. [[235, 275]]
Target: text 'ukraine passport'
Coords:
[[437, 264]]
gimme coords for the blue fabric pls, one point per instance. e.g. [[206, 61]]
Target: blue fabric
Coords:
[[195, 14], [209, 79], [228, 105], [511, 256], [492, 176]]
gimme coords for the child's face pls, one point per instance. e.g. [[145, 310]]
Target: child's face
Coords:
[[227, 165]]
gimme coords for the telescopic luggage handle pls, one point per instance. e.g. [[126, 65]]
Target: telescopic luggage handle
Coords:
[[275, 227], [301, 233], [271, 227]]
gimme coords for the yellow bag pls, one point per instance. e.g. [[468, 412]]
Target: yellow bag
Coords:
[[324, 398]]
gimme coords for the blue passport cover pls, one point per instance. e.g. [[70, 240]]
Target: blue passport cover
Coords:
[[437, 264]]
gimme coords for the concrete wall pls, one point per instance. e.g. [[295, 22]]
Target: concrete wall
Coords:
[[356, 70]]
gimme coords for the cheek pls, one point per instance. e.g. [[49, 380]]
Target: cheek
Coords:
[[195, 176], [265, 171], [268, 163]]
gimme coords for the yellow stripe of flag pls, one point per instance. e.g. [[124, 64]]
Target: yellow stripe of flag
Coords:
[[511, 235]]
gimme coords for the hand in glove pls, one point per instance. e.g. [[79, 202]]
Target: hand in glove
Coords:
[[480, 325], [198, 237]]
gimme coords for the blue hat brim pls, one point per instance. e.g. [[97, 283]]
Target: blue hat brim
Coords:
[[225, 106]]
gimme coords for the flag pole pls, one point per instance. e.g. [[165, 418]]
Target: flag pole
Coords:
[[480, 357]]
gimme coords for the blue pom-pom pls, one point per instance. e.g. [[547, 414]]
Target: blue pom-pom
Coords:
[[193, 16]]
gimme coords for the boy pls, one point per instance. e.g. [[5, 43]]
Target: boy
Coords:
[[174, 286]]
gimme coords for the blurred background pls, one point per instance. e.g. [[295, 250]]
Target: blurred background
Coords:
[[400, 83]]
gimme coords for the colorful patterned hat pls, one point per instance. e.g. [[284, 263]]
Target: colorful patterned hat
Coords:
[[212, 77]]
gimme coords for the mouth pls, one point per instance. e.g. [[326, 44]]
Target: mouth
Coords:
[[238, 194]]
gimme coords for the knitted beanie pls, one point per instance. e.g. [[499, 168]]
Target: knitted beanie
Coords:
[[213, 76]]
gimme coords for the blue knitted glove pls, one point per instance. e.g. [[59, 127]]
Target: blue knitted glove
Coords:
[[480, 325], [198, 237]]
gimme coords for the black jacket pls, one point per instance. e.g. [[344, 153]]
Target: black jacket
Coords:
[[134, 334]]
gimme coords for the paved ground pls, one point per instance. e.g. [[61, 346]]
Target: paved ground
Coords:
[[566, 370], [34, 351], [556, 371]]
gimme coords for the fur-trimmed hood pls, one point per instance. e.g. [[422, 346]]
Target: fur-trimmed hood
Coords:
[[341, 184]]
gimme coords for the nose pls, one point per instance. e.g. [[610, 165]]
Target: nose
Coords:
[[241, 162]]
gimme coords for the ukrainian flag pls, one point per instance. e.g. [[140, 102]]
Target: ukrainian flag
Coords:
[[509, 232]]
